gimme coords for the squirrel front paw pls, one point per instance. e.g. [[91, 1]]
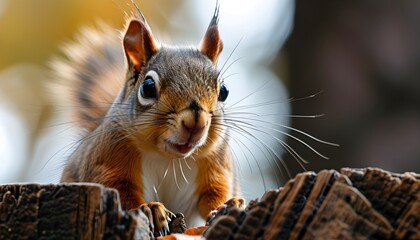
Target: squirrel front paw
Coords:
[[162, 222], [235, 202]]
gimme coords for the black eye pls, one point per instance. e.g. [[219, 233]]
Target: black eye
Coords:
[[148, 91], [148, 88], [224, 93]]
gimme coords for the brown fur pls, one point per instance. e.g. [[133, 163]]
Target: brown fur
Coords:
[[122, 129], [91, 74], [212, 187]]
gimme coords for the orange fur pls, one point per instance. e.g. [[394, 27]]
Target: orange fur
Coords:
[[185, 121], [214, 183]]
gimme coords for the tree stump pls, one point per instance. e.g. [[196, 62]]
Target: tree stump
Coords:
[[66, 211], [350, 204], [353, 204]]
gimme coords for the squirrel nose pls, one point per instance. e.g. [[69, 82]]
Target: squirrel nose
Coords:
[[193, 127]]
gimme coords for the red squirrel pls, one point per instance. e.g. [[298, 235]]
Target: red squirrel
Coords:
[[155, 126]]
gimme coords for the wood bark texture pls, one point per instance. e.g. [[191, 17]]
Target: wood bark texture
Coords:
[[66, 211], [351, 204]]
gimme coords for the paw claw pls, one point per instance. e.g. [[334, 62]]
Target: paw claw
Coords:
[[159, 217], [235, 202]]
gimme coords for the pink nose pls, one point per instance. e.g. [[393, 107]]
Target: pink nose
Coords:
[[195, 128]]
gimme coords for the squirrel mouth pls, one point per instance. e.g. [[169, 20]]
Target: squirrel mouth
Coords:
[[184, 149]]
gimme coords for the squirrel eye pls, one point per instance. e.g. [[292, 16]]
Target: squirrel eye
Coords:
[[148, 88], [224, 93], [148, 91]]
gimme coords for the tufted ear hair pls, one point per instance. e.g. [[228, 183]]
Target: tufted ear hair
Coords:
[[139, 44], [211, 45]]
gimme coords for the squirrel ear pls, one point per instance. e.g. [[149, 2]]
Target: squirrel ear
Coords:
[[139, 44], [211, 45]]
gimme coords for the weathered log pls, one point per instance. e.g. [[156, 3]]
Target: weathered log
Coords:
[[66, 211], [353, 204]]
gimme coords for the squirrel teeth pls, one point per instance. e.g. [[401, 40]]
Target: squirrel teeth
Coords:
[[184, 148]]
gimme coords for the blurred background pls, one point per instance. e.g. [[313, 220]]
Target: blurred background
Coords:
[[347, 72], [365, 58]]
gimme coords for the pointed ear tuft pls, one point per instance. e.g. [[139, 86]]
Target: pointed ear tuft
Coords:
[[139, 44], [211, 45]]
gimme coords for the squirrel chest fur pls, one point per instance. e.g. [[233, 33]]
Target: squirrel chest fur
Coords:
[[163, 137]]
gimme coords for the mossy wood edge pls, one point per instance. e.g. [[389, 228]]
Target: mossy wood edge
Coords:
[[367, 203]]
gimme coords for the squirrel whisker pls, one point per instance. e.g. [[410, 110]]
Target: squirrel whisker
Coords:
[[264, 147], [182, 171], [186, 163], [175, 177], [251, 126], [163, 178], [228, 58]]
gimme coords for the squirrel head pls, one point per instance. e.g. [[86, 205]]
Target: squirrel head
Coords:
[[176, 93], [140, 45]]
